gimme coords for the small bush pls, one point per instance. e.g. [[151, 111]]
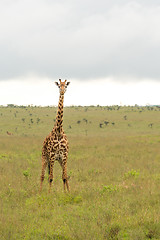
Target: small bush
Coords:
[[110, 188], [26, 173], [132, 173]]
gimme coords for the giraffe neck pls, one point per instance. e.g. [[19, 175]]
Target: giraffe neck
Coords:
[[59, 116]]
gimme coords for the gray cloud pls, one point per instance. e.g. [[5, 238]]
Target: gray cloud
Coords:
[[80, 39]]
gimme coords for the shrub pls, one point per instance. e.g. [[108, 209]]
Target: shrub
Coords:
[[110, 188], [132, 173]]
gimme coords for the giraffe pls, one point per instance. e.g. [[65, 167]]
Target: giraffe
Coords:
[[55, 146]]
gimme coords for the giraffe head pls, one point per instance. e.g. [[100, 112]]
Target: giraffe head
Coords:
[[62, 86]]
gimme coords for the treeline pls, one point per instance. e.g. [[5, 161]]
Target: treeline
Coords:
[[109, 108]]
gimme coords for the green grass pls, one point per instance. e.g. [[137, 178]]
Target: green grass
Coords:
[[114, 175]]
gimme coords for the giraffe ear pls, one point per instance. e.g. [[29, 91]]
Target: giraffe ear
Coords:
[[57, 84], [68, 83]]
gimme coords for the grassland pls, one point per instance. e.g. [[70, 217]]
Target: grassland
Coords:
[[114, 169]]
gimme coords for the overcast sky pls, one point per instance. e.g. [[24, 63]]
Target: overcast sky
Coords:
[[109, 50]]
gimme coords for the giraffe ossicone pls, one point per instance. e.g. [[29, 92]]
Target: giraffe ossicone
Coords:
[[55, 145]]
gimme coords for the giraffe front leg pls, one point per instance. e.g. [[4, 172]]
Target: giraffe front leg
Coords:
[[52, 159], [44, 164], [64, 174], [65, 182]]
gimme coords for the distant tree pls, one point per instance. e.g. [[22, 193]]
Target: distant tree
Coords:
[[11, 105], [106, 123], [38, 120], [85, 120]]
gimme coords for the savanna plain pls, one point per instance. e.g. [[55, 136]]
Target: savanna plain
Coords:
[[114, 169]]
